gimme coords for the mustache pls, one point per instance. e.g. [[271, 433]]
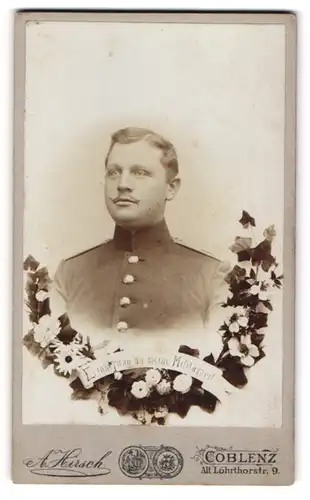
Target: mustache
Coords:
[[124, 197]]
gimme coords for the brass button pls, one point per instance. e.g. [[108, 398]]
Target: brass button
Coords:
[[128, 279], [133, 259], [125, 301], [122, 326]]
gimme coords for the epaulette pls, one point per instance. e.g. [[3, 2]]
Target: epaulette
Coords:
[[86, 251], [199, 251]]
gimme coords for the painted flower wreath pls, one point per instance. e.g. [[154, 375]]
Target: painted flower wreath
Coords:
[[150, 394]]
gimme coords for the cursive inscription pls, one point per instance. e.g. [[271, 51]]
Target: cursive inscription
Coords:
[[67, 463]]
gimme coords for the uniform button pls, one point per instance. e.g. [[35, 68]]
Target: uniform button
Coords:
[[133, 259], [122, 326], [128, 279], [125, 301]]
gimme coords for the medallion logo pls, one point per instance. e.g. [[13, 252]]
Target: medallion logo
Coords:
[[163, 462]]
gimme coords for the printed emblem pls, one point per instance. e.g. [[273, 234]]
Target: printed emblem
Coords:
[[134, 461], [163, 462], [168, 462]]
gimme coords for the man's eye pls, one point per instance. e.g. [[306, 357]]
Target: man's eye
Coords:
[[112, 173], [140, 173]]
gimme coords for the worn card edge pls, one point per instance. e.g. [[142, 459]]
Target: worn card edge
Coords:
[[289, 20]]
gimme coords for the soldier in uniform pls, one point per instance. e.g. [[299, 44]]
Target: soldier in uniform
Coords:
[[141, 282]]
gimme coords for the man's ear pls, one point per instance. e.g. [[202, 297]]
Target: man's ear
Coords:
[[173, 188]]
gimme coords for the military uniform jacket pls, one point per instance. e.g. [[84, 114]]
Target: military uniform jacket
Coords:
[[140, 282]]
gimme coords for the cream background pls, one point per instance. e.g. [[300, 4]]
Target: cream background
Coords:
[[217, 92]]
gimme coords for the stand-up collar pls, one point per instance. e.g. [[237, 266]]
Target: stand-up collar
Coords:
[[153, 236]]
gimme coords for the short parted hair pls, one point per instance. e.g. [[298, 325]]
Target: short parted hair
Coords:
[[128, 135]]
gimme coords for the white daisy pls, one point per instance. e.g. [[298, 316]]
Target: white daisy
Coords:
[[152, 377], [67, 360], [46, 330], [237, 319], [140, 389], [182, 383], [244, 349]]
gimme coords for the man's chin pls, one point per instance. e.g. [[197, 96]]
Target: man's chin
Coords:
[[125, 216]]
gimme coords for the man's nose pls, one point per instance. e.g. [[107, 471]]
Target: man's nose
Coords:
[[124, 182]]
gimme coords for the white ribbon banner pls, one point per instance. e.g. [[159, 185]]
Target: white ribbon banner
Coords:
[[210, 376]]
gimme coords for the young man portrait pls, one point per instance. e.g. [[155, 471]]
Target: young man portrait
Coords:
[[141, 281]]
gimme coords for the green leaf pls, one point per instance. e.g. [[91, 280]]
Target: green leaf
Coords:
[[270, 233], [241, 244], [252, 274], [188, 350], [267, 304], [32, 346], [30, 263], [247, 220]]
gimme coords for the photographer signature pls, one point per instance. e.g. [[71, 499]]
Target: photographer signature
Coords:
[[68, 463]]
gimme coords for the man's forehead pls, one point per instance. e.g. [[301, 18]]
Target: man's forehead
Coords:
[[141, 153]]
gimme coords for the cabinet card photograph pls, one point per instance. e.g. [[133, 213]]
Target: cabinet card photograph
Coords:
[[154, 194]]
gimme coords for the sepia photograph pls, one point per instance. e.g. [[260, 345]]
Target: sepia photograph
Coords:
[[153, 223]]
